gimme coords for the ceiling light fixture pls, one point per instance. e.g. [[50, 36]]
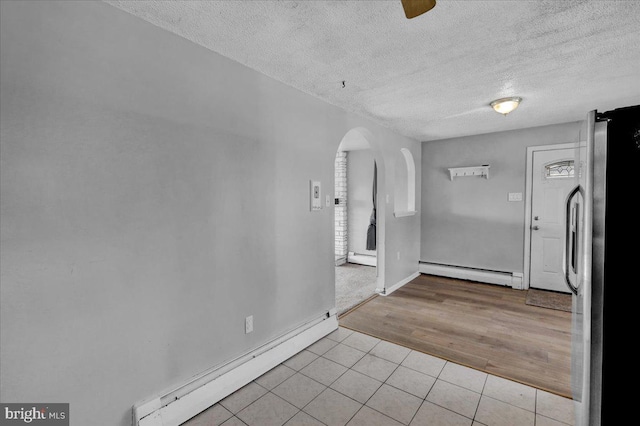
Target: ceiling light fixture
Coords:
[[505, 105]]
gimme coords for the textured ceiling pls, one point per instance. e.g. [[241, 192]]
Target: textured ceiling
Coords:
[[431, 77]]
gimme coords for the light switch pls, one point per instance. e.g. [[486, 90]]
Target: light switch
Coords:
[[328, 201], [515, 196]]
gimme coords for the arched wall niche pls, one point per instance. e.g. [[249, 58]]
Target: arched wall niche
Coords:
[[405, 184]]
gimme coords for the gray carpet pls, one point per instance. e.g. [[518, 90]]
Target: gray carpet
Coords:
[[354, 284]]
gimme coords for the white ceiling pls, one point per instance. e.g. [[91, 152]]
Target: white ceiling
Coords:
[[431, 77]]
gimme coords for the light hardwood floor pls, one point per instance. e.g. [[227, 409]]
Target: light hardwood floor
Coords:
[[482, 326]]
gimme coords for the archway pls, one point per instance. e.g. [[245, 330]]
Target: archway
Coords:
[[359, 215]]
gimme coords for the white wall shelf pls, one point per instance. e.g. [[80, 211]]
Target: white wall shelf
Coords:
[[470, 171], [404, 213]]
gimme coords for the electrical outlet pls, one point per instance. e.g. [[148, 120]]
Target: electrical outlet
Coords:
[[515, 196], [248, 324]]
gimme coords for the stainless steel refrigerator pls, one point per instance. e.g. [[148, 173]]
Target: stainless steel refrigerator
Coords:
[[601, 253]]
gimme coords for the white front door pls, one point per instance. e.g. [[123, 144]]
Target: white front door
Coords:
[[552, 181]]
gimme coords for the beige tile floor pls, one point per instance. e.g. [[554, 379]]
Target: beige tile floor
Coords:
[[349, 378]]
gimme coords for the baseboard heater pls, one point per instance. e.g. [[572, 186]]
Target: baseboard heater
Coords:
[[510, 279], [176, 406], [362, 259]]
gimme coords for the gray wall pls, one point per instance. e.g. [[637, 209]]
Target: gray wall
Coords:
[[468, 221], [153, 194], [359, 200], [403, 252]]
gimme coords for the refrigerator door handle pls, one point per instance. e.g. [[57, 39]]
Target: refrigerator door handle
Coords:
[[569, 242]]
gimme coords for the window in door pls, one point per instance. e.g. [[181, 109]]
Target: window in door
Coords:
[[560, 169]]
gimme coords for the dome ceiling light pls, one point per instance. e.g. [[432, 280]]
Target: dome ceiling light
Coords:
[[505, 105]]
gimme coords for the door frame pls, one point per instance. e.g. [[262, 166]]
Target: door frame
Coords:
[[528, 204]]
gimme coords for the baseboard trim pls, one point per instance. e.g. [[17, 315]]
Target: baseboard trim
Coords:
[[362, 259], [510, 279], [216, 384], [388, 291]]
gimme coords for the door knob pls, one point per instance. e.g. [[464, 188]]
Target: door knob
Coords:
[[535, 228]]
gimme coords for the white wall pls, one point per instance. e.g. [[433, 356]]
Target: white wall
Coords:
[[153, 194], [360, 201], [468, 221]]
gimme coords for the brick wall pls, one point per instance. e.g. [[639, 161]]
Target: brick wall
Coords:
[[341, 207]]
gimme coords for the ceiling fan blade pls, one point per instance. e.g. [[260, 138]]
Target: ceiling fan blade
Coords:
[[413, 8]]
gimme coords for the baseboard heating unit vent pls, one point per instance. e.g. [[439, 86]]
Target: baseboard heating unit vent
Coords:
[[176, 406], [510, 279], [362, 259]]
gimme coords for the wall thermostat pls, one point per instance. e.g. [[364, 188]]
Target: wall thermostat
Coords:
[[316, 195]]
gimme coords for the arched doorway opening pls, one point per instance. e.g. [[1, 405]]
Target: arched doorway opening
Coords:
[[359, 219]]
